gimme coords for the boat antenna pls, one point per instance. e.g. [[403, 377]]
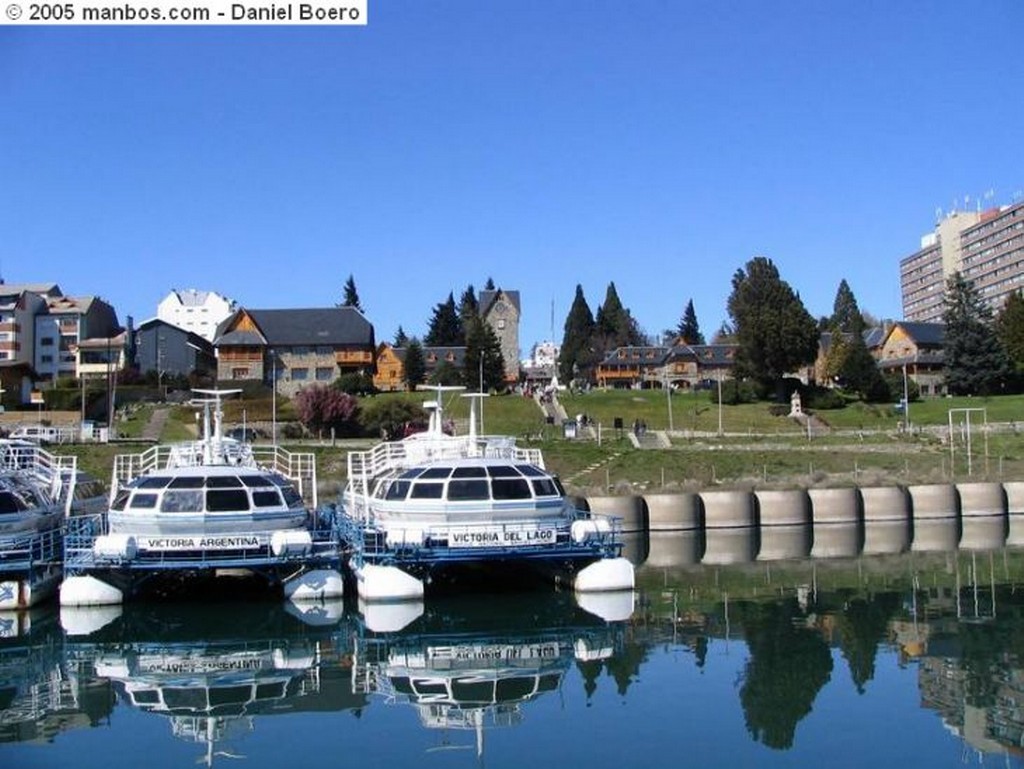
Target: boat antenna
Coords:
[[474, 399], [435, 426]]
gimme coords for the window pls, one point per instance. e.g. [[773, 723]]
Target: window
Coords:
[[468, 490], [300, 350], [511, 488], [427, 490], [182, 502], [324, 349], [300, 374], [143, 500], [239, 373], [226, 500], [267, 498], [46, 358], [324, 374]]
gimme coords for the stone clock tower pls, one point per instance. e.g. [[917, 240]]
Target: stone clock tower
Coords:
[[500, 310]]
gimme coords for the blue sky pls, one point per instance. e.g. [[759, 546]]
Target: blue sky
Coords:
[[656, 145]]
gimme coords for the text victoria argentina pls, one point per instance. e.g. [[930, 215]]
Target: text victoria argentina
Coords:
[[293, 12]]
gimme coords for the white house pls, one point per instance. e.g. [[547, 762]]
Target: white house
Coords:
[[199, 312]]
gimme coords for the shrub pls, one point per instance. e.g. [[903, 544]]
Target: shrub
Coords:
[[734, 392], [821, 399], [355, 383]]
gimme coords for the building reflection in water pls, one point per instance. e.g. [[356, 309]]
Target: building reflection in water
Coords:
[[475, 663], [40, 696], [212, 669]]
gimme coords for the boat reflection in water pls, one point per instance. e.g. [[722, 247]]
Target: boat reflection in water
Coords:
[[473, 663], [213, 669]]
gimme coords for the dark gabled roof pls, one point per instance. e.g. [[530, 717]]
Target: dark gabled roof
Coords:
[[715, 354], [487, 298], [440, 353], [334, 326], [190, 336], [656, 357], [924, 334], [874, 336], [241, 339]]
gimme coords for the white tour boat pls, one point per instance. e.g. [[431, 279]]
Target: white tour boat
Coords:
[[36, 493], [432, 504], [204, 508]]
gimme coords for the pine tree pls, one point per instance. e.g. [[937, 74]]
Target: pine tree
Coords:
[[482, 342], [401, 338], [774, 332], [469, 307], [976, 363], [614, 325], [1010, 329], [846, 315], [489, 285], [445, 328], [688, 327], [415, 364], [351, 295], [577, 357]]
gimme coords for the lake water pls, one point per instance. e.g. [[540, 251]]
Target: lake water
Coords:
[[719, 659]]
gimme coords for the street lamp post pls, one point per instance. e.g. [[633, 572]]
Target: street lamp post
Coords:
[[719, 378], [273, 397], [906, 402], [668, 395]]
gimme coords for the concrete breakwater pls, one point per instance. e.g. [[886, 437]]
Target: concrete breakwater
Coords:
[[721, 527]]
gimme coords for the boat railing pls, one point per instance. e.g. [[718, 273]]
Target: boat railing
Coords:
[[82, 531], [365, 466], [299, 467], [56, 473], [29, 549], [468, 541]]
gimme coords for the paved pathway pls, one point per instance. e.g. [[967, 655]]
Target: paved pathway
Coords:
[[155, 426]]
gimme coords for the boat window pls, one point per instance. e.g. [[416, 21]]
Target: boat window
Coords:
[[227, 695], [189, 482], [268, 498], [436, 472], [548, 682], [502, 471], [226, 500], [558, 485], [512, 689], [120, 500], [472, 690], [531, 470], [223, 482], [144, 501], [469, 472], [510, 488], [402, 685], [468, 490], [397, 490], [544, 487], [411, 473], [153, 483], [292, 498], [185, 697], [424, 490], [146, 696], [429, 686], [8, 503], [185, 501], [256, 481], [274, 690]]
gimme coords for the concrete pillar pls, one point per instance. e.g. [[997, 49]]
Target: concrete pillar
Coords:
[[937, 500], [885, 503], [1014, 496], [981, 499], [631, 509], [789, 507], [728, 509], [835, 505], [634, 547], [673, 512]]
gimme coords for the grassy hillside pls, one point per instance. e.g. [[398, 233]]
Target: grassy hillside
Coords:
[[755, 450]]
